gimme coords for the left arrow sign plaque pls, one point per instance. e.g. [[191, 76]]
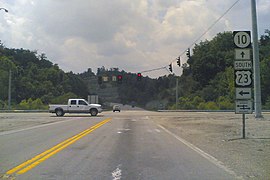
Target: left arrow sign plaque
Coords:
[[243, 93]]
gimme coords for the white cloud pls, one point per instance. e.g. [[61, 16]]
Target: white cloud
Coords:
[[133, 35]]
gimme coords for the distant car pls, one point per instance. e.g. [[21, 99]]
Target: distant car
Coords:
[[116, 108]]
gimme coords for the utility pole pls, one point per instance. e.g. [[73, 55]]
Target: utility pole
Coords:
[[256, 63], [9, 90], [176, 94]]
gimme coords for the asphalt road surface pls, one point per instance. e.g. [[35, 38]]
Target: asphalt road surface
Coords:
[[111, 146]]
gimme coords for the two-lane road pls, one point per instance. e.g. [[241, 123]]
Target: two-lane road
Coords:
[[126, 145]]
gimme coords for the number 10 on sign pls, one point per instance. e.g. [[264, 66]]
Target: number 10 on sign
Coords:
[[242, 39]]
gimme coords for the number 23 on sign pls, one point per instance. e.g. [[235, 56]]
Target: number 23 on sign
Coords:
[[243, 78]]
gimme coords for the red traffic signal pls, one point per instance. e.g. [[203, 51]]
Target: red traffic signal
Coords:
[[119, 78], [139, 77]]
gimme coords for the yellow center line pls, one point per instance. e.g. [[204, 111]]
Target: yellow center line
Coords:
[[28, 165]]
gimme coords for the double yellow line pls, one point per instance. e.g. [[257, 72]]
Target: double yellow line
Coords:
[[28, 165]]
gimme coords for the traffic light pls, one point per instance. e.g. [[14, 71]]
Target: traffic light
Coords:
[[170, 67], [178, 61], [139, 77], [99, 79], [119, 79], [188, 53]]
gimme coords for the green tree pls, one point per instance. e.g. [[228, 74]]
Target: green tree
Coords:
[[6, 65], [225, 103], [265, 66], [64, 98], [209, 106], [212, 57]]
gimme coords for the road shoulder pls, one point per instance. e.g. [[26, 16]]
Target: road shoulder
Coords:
[[220, 135]]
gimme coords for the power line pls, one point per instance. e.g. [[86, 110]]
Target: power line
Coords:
[[212, 25], [207, 30], [165, 67]]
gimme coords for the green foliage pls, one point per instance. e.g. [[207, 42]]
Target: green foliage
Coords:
[[200, 104], [265, 78], [265, 68], [225, 103], [24, 104], [210, 81], [30, 104], [63, 98], [2, 104], [6, 65], [212, 57], [190, 102], [35, 77], [221, 85], [267, 103], [207, 82], [185, 103], [209, 106]]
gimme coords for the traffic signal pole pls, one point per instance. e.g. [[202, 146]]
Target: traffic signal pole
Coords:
[[256, 63], [176, 94]]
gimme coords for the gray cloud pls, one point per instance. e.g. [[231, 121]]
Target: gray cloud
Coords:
[[132, 35]]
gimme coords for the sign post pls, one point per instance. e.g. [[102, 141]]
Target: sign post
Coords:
[[243, 75], [244, 126]]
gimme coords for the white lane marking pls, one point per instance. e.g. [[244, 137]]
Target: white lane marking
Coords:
[[157, 130], [203, 154], [122, 130], [117, 173], [33, 127]]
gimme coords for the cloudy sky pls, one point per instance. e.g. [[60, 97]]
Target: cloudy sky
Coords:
[[133, 35]]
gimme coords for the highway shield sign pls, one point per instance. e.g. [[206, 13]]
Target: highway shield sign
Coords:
[[242, 39], [243, 78]]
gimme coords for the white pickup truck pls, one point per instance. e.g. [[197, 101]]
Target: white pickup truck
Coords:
[[75, 106]]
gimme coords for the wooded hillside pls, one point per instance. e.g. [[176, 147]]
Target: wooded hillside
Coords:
[[207, 83]]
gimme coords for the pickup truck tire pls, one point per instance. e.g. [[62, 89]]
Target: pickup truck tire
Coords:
[[93, 112], [59, 112]]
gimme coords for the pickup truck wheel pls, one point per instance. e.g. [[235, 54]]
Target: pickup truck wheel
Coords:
[[93, 112], [59, 112]]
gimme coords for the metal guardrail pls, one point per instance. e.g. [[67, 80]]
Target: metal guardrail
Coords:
[[180, 110], [193, 110]]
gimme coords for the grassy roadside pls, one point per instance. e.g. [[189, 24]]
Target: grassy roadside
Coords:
[[220, 135]]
